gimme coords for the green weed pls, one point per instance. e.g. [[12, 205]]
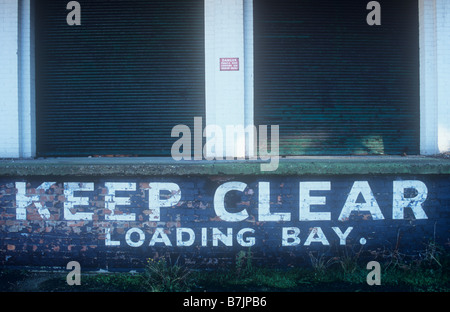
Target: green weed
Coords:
[[162, 275]]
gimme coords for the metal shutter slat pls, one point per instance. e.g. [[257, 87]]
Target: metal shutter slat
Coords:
[[335, 85], [118, 83]]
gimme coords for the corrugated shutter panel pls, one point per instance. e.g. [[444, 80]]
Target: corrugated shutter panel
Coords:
[[334, 84], [120, 81]]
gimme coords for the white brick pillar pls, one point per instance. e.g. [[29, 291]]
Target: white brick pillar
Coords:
[[434, 21], [17, 113], [27, 111], [9, 85], [229, 79]]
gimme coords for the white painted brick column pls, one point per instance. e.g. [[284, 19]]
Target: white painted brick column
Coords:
[[27, 111], [17, 112], [9, 85], [434, 21], [226, 92], [251, 145]]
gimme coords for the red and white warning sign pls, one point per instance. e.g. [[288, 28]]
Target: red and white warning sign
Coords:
[[229, 63]]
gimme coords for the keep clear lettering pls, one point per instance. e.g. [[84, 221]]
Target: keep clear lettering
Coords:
[[79, 202]]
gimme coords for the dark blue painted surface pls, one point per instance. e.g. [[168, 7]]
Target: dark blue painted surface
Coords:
[[54, 242]]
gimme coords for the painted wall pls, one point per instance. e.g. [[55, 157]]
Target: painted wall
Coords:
[[9, 114], [228, 33], [119, 223]]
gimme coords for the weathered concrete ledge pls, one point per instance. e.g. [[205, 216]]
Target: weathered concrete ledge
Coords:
[[146, 166]]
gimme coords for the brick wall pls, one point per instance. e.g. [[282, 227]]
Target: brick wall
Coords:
[[117, 223]]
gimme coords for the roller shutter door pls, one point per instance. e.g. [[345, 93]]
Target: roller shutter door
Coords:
[[334, 84], [120, 81]]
